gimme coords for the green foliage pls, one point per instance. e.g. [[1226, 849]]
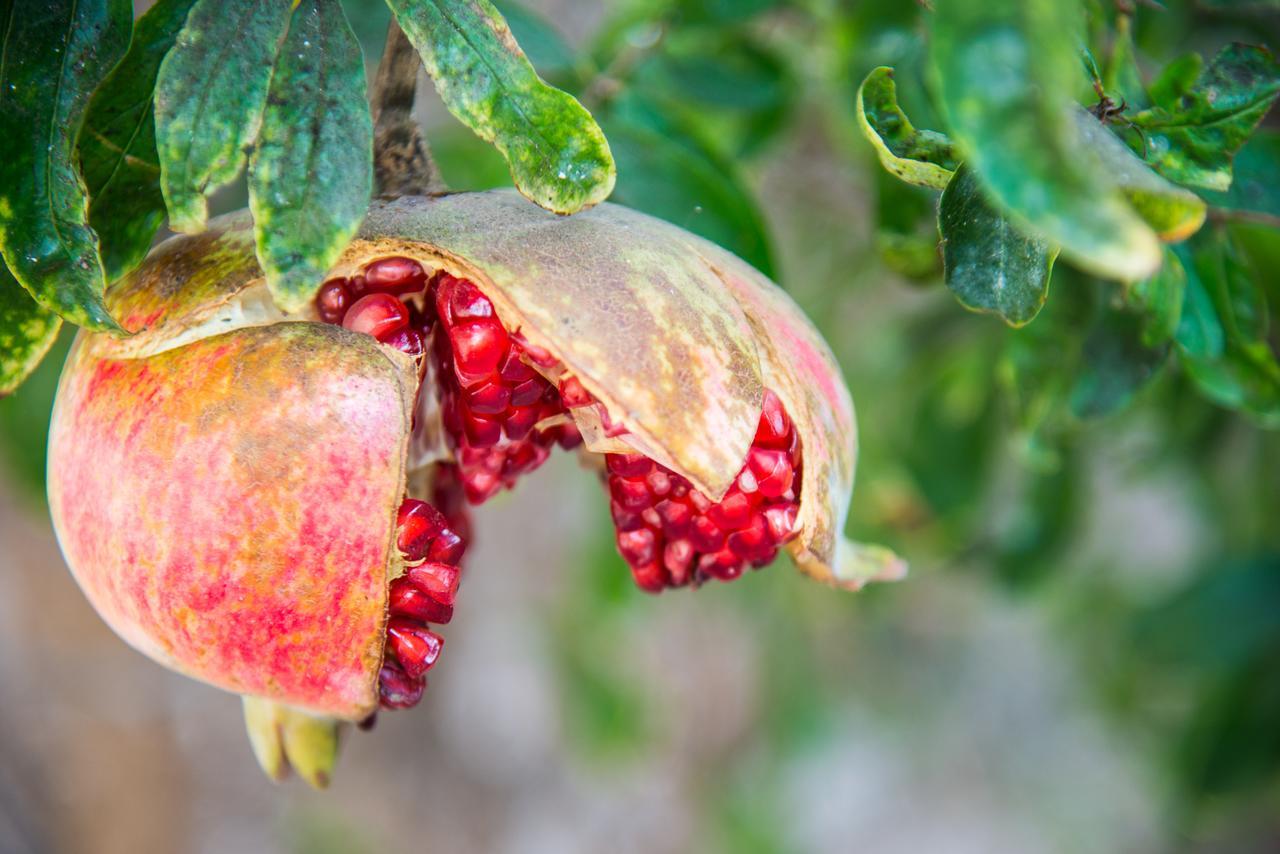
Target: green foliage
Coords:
[[1193, 131], [558, 156], [312, 170], [55, 53], [925, 158], [209, 100], [27, 331], [1006, 72], [117, 145], [990, 266]]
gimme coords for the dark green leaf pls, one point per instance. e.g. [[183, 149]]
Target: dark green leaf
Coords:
[[1199, 332], [558, 155], [1159, 299], [921, 157], [27, 331], [990, 266], [210, 95], [1007, 73], [118, 144], [24, 421], [1175, 213], [53, 54], [1115, 364], [1193, 139], [674, 179], [1175, 80], [312, 170], [1256, 187]]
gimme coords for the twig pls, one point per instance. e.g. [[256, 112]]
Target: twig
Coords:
[[402, 162]]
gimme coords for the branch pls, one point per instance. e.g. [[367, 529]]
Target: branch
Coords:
[[402, 162]]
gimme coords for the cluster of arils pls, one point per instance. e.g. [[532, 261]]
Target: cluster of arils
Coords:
[[671, 534], [502, 414]]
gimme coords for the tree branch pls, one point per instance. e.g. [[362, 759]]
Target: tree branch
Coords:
[[402, 162]]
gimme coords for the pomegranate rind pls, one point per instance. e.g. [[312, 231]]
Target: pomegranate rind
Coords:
[[620, 298], [228, 506]]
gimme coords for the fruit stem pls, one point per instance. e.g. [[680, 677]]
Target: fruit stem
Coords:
[[402, 161]]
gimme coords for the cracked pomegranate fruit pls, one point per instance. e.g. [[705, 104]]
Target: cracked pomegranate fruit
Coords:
[[277, 503]]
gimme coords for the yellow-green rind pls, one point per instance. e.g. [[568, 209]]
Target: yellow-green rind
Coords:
[[228, 506]]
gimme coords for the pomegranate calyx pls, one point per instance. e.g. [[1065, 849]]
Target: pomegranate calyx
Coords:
[[284, 739]]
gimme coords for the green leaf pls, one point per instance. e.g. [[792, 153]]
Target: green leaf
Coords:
[[1115, 364], [1159, 298], [1175, 80], [1006, 72], [990, 266], [1256, 187], [559, 157], [27, 331], [672, 177], [210, 96], [921, 157], [1175, 213], [53, 55], [118, 144], [1199, 332], [312, 170], [1193, 138]]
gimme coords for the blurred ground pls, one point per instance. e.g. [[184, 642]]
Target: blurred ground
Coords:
[[952, 723]]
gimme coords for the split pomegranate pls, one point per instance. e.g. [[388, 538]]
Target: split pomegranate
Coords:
[[275, 501]]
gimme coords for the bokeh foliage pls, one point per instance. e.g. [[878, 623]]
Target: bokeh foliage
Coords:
[[985, 445]]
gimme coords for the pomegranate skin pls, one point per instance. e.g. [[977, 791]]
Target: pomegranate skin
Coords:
[[230, 521], [224, 482]]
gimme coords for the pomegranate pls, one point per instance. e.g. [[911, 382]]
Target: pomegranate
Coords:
[[275, 503]]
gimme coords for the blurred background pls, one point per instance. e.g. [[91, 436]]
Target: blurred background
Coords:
[[1086, 656]]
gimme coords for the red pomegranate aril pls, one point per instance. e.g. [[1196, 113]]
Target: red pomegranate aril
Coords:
[[572, 393], [436, 579], [448, 547], [650, 577], [752, 541], [395, 276], [723, 564], [482, 432], [357, 286], [520, 421], [478, 349], [706, 535], [492, 398], [480, 485], [418, 525], [465, 301], [414, 645], [398, 689], [528, 392], [629, 465], [333, 300], [659, 482], [378, 315], [775, 427], [631, 494], [624, 519], [405, 599], [677, 557], [408, 340], [637, 547], [733, 512], [515, 371], [772, 471], [781, 520], [676, 517]]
